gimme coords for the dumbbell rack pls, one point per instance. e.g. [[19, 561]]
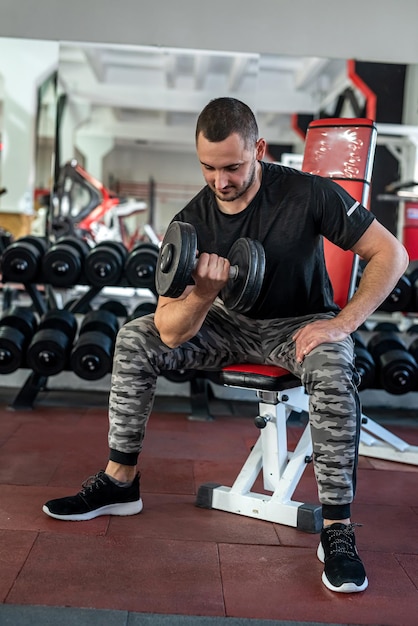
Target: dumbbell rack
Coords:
[[42, 283], [44, 299]]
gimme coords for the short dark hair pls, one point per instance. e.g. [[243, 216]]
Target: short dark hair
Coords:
[[224, 116]]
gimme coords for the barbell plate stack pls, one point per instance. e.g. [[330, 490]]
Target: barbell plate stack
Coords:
[[176, 259]]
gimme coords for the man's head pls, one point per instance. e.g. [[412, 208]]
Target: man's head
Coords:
[[224, 116], [228, 149]]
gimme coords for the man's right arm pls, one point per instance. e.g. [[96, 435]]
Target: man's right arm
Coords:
[[179, 319]]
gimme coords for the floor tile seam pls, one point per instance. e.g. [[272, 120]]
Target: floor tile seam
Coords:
[[396, 555], [22, 566], [218, 557]]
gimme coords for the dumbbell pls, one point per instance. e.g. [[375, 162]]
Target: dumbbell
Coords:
[[62, 264], [114, 306], [413, 278], [179, 376], [104, 264], [50, 346], [17, 326], [364, 362], [396, 368], [140, 266], [399, 298], [413, 351], [385, 327], [143, 308], [92, 354], [21, 260], [177, 260]]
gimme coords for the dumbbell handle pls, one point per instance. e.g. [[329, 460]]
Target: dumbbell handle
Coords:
[[233, 270], [167, 258]]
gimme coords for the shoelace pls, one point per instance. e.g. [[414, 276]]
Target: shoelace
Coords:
[[341, 540], [93, 482]]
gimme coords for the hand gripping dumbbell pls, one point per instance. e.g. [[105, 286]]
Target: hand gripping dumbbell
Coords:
[[17, 327], [177, 260], [49, 350], [92, 354], [396, 368], [21, 260], [62, 264]]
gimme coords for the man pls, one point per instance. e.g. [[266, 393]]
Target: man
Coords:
[[294, 322]]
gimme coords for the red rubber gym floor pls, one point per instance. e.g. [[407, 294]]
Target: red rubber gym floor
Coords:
[[175, 559]]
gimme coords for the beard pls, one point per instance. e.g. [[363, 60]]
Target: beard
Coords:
[[237, 192]]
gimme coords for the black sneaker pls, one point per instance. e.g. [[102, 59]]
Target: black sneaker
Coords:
[[99, 496], [343, 571]]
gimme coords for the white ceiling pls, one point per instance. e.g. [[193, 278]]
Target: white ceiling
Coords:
[[148, 95]]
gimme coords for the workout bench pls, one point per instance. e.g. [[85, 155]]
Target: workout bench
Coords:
[[341, 149]]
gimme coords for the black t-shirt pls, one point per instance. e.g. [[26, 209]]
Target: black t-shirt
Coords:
[[288, 215]]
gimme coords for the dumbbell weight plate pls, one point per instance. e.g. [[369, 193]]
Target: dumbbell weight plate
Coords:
[[17, 327], [176, 259], [104, 264], [62, 264], [20, 317], [12, 345], [242, 291], [101, 321], [21, 260], [144, 308], [91, 357], [179, 376], [47, 352], [140, 266], [399, 298], [114, 306], [396, 369]]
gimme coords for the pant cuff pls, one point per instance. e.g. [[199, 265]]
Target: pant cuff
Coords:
[[336, 511], [124, 458]]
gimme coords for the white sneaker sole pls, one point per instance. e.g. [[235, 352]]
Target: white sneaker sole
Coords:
[[345, 587], [125, 508]]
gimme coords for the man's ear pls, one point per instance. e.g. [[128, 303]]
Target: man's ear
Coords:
[[260, 148]]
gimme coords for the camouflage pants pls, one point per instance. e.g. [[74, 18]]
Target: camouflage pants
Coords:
[[228, 337]]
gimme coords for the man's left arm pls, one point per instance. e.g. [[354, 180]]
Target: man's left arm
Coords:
[[387, 260]]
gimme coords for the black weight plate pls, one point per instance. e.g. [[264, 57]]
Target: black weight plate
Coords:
[[60, 320], [20, 262], [91, 357], [241, 292], [47, 352], [20, 317], [145, 308], [176, 259], [104, 264], [179, 376], [399, 298], [81, 246], [101, 321], [12, 344], [398, 372], [40, 243], [114, 306], [140, 266], [61, 265]]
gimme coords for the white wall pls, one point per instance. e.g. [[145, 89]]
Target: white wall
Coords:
[[177, 176], [367, 30]]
